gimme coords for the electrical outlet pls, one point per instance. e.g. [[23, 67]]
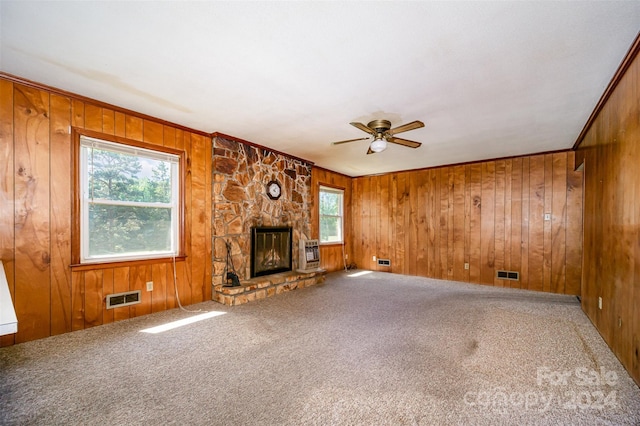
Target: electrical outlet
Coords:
[[149, 285], [599, 302], [374, 258], [466, 265], [547, 216]]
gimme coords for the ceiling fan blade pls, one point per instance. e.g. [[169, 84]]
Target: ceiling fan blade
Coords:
[[348, 140], [404, 142], [364, 128], [369, 151], [406, 127]]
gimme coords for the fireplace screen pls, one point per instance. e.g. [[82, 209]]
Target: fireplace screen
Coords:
[[270, 250]]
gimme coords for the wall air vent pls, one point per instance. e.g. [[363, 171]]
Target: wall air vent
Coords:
[[117, 300], [384, 262], [508, 275]]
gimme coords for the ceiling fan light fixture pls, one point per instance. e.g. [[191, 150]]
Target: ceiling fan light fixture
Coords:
[[379, 144]]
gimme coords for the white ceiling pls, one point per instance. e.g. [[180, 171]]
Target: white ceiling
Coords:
[[489, 79]]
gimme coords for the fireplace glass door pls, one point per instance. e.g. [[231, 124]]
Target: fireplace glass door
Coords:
[[270, 250]]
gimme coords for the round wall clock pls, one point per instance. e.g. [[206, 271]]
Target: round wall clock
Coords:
[[273, 190]]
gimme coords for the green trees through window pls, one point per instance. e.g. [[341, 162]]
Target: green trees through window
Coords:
[[331, 213], [129, 201]]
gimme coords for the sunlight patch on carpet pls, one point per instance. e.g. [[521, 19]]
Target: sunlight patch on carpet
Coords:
[[359, 274], [179, 323]]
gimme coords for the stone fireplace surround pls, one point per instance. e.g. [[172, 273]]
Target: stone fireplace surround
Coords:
[[241, 171]]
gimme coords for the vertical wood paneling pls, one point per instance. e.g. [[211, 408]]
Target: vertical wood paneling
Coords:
[[77, 300], [507, 214], [35, 150], [411, 238], [32, 232], [138, 277], [574, 227], [422, 261], [108, 121], [159, 278], [120, 124], [443, 228], [515, 200], [393, 222], [468, 201], [152, 132], [536, 222], [93, 296], [559, 222], [488, 214], [7, 198], [93, 117], [499, 215], [169, 140], [433, 224], [475, 222], [459, 213], [133, 127], [400, 249], [77, 113], [182, 267], [107, 288], [374, 205], [524, 235], [186, 290], [207, 248], [450, 223], [200, 220], [487, 223], [120, 285], [353, 250], [548, 197], [60, 187], [611, 267], [383, 220]]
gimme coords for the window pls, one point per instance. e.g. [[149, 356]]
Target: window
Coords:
[[129, 201], [331, 213]]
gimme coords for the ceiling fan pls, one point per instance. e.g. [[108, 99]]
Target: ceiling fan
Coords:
[[382, 133]]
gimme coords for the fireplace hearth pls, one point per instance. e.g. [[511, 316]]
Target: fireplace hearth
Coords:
[[270, 250]]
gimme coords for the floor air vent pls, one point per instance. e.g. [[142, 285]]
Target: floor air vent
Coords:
[[508, 275], [123, 299], [384, 262]]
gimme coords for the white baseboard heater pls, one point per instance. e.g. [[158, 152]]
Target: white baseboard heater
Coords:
[[8, 319], [309, 255]]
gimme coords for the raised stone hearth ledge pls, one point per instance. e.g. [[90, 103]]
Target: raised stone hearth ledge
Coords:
[[266, 286]]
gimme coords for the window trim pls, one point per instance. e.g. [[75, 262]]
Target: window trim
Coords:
[[342, 192], [76, 240]]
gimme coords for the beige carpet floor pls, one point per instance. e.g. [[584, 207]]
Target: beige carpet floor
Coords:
[[374, 349]]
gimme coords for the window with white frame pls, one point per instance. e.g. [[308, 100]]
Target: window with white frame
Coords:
[[331, 215], [129, 202]]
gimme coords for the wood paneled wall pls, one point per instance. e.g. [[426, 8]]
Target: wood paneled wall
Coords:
[[611, 152], [331, 255], [489, 215], [36, 213]]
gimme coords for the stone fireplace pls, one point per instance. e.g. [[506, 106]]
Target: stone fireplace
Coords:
[[270, 250], [241, 204], [241, 172]]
